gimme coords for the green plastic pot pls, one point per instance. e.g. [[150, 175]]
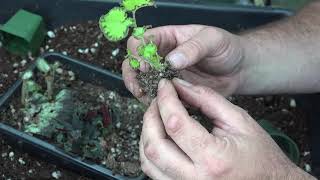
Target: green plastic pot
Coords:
[[22, 33], [288, 146]]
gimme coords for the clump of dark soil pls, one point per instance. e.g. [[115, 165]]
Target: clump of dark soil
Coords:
[[149, 80]]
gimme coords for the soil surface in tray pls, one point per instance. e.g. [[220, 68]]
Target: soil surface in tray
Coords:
[[85, 42], [88, 109]]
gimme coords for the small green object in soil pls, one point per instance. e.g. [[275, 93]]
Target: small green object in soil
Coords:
[[23, 33]]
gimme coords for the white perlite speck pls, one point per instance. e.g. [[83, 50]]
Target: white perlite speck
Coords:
[[64, 53], [306, 153], [70, 73], [15, 65], [115, 52], [118, 125], [11, 154], [59, 70], [80, 51], [293, 103], [23, 62], [96, 44], [21, 161], [307, 167], [93, 50], [26, 119], [4, 154], [51, 34], [56, 174]]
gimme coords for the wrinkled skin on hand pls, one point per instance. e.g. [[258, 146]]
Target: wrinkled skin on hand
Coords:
[[175, 146], [205, 55]]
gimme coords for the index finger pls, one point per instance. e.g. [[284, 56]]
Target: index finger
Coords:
[[187, 133]]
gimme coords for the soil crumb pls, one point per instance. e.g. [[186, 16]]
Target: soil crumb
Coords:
[[149, 80]]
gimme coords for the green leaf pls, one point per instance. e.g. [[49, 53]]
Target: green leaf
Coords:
[[148, 51], [129, 53], [150, 54], [138, 32], [42, 65], [27, 75], [32, 86], [115, 24], [134, 63], [133, 5]]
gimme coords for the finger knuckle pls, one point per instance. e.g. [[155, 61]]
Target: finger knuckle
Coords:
[[215, 167], [195, 46], [222, 40], [150, 151], [148, 115], [218, 33], [162, 98], [143, 163], [145, 168], [204, 91], [203, 94], [203, 141], [173, 126], [242, 113], [175, 173]]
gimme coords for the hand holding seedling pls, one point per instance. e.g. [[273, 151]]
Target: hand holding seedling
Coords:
[[175, 146], [205, 55]]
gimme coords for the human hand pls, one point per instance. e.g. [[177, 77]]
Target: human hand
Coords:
[[206, 55], [175, 146]]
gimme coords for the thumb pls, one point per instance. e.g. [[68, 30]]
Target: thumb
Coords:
[[223, 113], [187, 53]]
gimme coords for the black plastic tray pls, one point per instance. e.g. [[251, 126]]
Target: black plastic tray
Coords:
[[48, 152], [230, 17], [65, 12]]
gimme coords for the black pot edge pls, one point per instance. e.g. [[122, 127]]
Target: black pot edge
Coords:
[[57, 12], [46, 150], [207, 5]]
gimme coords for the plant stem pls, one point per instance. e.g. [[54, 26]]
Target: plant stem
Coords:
[[24, 93], [49, 81], [143, 41], [134, 17]]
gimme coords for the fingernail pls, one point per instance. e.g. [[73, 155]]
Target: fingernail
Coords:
[[162, 83], [182, 82], [177, 60]]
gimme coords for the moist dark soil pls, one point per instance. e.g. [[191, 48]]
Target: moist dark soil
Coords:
[[149, 80], [85, 42], [122, 143]]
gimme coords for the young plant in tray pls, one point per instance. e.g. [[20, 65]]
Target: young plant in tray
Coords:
[[117, 24], [48, 71], [58, 117]]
